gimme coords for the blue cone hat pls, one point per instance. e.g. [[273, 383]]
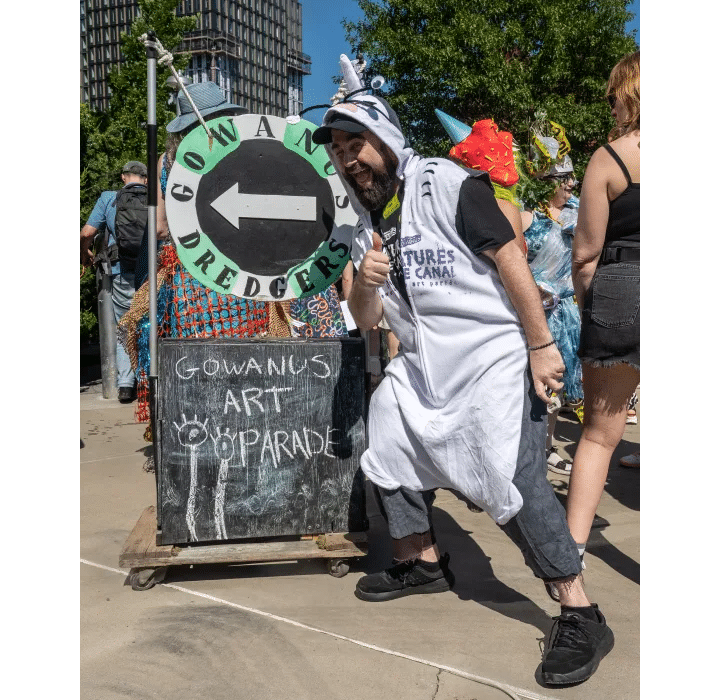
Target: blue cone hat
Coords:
[[457, 131]]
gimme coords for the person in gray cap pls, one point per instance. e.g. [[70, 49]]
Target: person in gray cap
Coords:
[[461, 405], [122, 217]]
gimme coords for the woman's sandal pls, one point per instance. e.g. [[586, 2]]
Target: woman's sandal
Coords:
[[557, 464]]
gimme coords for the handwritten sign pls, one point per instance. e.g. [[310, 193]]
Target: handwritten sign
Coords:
[[259, 438]]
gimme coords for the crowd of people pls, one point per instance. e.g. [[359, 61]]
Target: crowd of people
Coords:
[[461, 403], [539, 312]]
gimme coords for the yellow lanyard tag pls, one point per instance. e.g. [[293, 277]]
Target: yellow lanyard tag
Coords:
[[391, 207]]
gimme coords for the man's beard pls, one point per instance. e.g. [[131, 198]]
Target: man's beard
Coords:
[[381, 188]]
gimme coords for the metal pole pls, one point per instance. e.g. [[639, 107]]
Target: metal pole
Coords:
[[108, 335], [152, 199]]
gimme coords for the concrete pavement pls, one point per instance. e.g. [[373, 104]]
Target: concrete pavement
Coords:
[[290, 630]]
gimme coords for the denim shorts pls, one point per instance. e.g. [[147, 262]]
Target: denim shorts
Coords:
[[610, 328]]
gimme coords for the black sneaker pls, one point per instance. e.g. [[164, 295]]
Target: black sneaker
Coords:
[[575, 650], [406, 578]]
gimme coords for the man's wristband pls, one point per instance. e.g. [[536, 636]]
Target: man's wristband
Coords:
[[540, 347]]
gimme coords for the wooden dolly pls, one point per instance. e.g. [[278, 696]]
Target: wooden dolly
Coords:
[[148, 561]]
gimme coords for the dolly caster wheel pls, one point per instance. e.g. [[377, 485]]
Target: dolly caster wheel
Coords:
[[145, 579], [338, 567]]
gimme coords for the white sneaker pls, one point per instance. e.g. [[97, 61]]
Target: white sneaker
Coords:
[[557, 464]]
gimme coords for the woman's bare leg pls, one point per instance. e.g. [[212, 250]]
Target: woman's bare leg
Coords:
[[607, 392]]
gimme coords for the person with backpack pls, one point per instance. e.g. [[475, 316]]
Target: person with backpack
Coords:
[[122, 217]]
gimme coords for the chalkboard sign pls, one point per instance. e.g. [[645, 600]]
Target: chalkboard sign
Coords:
[[259, 438]]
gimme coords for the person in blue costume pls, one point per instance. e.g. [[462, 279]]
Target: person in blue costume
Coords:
[[549, 231]]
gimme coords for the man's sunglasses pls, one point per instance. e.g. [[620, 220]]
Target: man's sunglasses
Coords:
[[612, 99]]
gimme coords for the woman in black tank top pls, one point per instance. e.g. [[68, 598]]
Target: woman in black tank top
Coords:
[[623, 226], [606, 279]]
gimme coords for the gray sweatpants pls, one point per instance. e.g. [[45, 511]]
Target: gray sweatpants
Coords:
[[539, 529]]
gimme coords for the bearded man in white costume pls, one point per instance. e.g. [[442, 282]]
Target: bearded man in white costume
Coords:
[[438, 258]]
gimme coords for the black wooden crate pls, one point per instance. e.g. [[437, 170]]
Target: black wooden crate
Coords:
[[259, 438]]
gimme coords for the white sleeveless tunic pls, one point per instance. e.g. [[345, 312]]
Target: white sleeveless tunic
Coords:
[[449, 411]]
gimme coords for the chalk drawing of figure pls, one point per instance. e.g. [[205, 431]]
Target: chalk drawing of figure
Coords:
[[224, 449], [192, 434]]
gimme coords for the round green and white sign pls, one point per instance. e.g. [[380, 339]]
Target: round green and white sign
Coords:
[[262, 214]]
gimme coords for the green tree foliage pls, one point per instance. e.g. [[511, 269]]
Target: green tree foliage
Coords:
[[88, 307], [109, 139], [500, 59]]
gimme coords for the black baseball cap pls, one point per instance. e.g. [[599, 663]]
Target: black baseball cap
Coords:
[[323, 134]]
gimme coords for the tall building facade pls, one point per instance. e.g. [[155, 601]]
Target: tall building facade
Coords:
[[251, 48]]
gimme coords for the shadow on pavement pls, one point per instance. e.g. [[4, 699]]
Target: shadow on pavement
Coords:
[[228, 572], [597, 544], [90, 367], [474, 576], [623, 484], [475, 579], [606, 551], [568, 429]]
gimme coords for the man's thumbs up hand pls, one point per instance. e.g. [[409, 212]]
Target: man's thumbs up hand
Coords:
[[375, 267]]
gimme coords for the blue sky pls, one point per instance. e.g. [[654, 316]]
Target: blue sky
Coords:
[[324, 40]]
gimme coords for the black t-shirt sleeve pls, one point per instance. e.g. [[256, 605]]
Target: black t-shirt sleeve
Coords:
[[479, 220]]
